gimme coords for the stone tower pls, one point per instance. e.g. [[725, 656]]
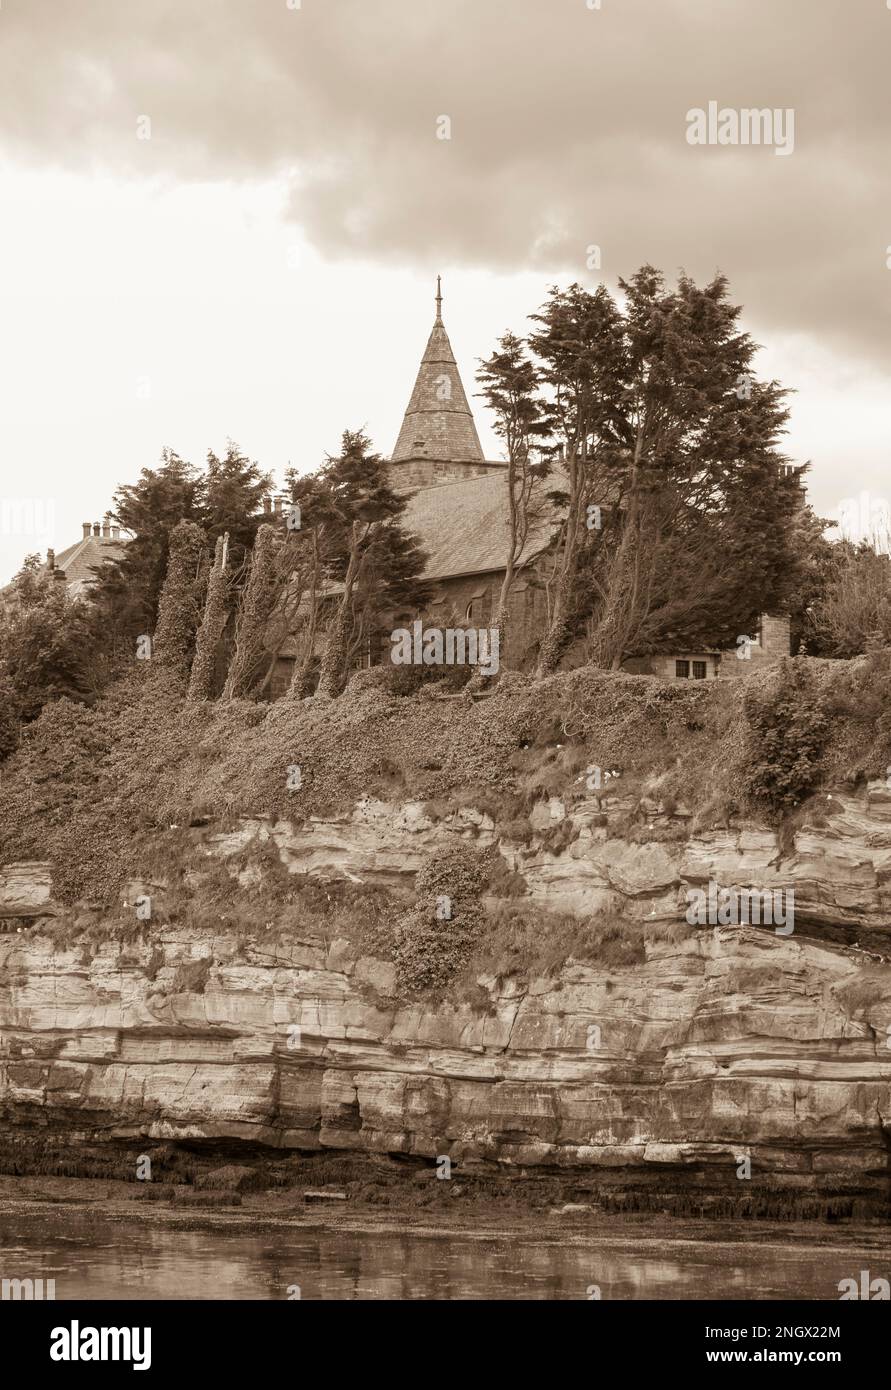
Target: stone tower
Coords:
[[438, 441]]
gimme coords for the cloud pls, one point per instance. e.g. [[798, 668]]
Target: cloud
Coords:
[[567, 129]]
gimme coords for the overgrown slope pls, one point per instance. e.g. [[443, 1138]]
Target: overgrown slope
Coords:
[[92, 789]]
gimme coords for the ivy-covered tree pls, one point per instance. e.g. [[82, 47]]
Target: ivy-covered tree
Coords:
[[262, 592], [182, 599], [201, 679], [226, 498]]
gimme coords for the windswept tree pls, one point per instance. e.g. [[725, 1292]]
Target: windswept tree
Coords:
[[670, 444], [706, 501], [581, 362], [361, 514], [510, 382]]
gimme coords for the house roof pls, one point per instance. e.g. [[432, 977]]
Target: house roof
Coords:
[[78, 560], [464, 526], [438, 423]]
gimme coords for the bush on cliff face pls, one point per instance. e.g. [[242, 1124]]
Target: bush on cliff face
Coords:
[[435, 938], [788, 727]]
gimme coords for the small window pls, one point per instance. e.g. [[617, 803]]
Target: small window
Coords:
[[681, 668], [699, 670]]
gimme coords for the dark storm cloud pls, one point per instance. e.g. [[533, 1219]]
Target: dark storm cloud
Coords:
[[567, 128]]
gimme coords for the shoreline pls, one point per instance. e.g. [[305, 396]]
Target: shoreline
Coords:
[[260, 1212]]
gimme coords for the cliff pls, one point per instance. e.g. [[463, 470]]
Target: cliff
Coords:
[[745, 1066]]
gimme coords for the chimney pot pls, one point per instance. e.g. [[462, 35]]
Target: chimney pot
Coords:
[[51, 559], [278, 506], [106, 529], [115, 533], [86, 526], [267, 505], [95, 528]]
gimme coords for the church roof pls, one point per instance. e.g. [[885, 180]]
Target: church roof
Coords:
[[438, 423], [464, 526]]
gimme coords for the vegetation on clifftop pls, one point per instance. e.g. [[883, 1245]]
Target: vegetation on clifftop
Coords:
[[91, 786]]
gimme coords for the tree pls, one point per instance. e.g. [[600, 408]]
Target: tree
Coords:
[[213, 623], [360, 512], [510, 389], [666, 430], [227, 498], [45, 638], [231, 500], [262, 592], [853, 614], [182, 599], [129, 589], [581, 362]]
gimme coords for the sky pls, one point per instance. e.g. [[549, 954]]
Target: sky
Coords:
[[224, 218]]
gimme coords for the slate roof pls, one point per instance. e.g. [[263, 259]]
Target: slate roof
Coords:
[[438, 423], [464, 526], [78, 560]]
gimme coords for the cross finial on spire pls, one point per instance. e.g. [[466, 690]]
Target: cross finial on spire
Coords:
[[439, 299]]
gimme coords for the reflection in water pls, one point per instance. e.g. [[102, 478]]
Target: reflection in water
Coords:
[[90, 1258]]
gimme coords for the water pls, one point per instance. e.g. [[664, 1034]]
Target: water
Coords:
[[92, 1258]]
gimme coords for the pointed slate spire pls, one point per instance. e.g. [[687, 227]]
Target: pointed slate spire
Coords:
[[438, 423]]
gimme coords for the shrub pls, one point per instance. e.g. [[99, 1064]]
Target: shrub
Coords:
[[788, 726], [434, 939]]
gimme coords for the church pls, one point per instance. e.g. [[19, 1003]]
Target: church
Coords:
[[457, 507]]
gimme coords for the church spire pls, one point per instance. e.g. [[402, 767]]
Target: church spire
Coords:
[[438, 424]]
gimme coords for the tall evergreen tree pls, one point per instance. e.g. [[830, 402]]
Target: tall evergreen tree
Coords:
[[360, 512]]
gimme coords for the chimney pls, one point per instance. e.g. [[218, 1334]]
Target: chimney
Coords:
[[278, 506], [51, 559], [267, 505], [115, 533], [95, 528], [106, 528], [86, 526]]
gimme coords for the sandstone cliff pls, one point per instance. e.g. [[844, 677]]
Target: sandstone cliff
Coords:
[[728, 1059]]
